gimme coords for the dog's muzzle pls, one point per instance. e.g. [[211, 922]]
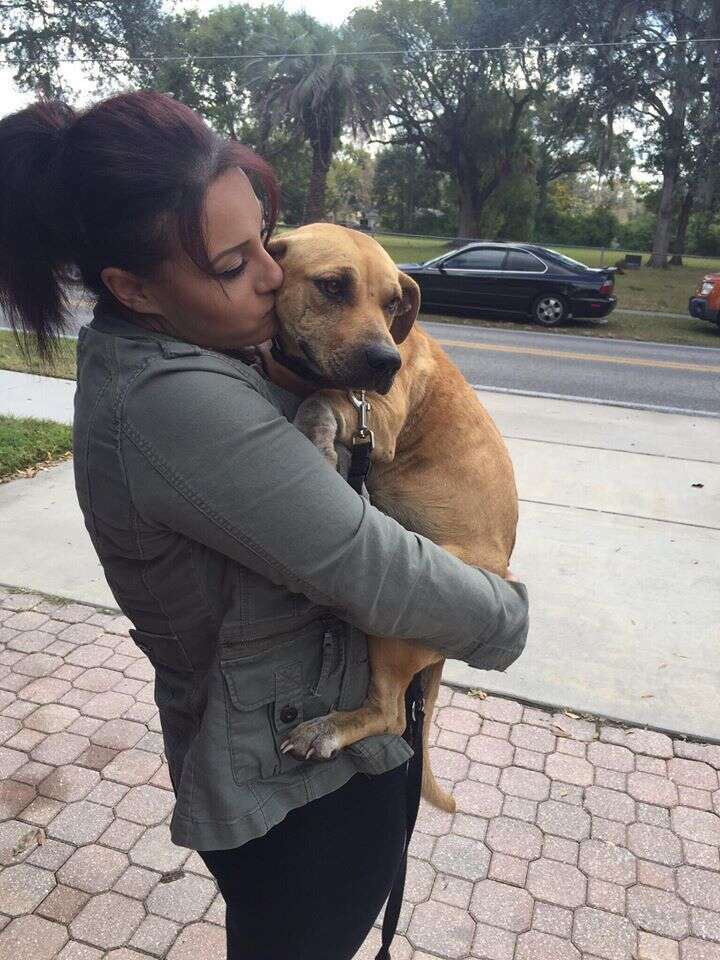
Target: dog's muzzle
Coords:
[[383, 360]]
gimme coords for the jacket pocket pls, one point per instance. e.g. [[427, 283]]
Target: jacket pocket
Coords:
[[270, 693], [173, 666], [325, 691], [262, 700], [356, 676]]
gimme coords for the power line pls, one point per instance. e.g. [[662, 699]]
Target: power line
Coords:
[[617, 44]]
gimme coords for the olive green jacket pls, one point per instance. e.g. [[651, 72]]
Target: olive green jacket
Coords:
[[252, 573]]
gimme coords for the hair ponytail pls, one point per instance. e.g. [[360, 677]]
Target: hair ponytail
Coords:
[[33, 254], [117, 185]]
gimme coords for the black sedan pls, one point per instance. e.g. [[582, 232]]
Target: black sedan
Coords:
[[514, 278]]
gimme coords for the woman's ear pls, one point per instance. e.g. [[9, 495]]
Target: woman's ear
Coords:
[[407, 314], [131, 291]]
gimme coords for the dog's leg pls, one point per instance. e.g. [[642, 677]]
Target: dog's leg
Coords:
[[393, 664], [328, 416], [316, 418]]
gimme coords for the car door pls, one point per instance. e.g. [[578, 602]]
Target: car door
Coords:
[[474, 278], [523, 279]]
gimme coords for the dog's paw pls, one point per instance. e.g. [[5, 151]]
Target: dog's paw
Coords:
[[313, 740], [316, 418]]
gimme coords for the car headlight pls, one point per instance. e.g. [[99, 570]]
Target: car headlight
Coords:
[[706, 288]]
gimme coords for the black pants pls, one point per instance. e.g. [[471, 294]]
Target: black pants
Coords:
[[312, 887]]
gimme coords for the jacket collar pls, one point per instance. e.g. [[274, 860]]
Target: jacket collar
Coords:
[[108, 320]]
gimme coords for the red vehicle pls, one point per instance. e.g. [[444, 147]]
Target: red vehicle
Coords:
[[705, 304]]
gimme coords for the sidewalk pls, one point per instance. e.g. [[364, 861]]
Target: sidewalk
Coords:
[[618, 547], [573, 840], [29, 395]]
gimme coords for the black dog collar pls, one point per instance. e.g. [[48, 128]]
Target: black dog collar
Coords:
[[296, 365]]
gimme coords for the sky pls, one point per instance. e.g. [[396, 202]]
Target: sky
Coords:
[[327, 11]]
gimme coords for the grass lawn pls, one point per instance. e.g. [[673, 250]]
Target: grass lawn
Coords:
[[11, 358], [27, 444]]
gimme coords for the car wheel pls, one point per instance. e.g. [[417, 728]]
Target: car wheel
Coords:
[[550, 309]]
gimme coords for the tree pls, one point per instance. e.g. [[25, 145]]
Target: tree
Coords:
[[647, 72], [679, 68], [317, 90], [411, 197], [292, 162], [709, 152], [465, 111], [217, 87], [350, 181], [35, 35], [282, 106], [570, 137]]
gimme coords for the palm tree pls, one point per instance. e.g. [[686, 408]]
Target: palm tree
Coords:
[[316, 88]]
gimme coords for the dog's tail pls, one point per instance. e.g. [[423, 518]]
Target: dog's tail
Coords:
[[431, 789]]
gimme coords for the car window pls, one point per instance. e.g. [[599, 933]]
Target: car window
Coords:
[[487, 258], [568, 261], [519, 260]]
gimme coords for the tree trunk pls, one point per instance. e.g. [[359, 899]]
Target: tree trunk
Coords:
[[543, 185], [678, 247], [675, 140], [315, 203], [470, 209], [661, 241], [710, 146]]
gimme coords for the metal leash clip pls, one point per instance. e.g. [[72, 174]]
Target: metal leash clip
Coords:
[[363, 441], [363, 434]]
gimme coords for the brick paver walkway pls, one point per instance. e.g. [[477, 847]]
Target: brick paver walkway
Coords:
[[573, 839]]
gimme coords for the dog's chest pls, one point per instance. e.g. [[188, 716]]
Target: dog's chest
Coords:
[[393, 500]]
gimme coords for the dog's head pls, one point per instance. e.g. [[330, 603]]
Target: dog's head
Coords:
[[343, 306]]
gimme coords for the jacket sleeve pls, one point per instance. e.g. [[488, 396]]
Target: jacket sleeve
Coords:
[[222, 465]]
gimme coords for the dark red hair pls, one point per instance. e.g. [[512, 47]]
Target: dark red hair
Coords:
[[118, 184]]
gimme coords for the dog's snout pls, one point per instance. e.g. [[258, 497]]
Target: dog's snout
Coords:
[[383, 359]]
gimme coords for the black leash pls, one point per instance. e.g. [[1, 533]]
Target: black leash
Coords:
[[360, 462], [415, 713]]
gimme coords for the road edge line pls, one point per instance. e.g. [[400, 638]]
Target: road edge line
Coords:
[[682, 411]]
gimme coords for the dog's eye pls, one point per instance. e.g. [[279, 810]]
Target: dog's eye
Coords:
[[333, 288], [394, 306]]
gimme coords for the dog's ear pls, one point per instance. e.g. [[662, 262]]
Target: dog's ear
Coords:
[[277, 248], [409, 309]]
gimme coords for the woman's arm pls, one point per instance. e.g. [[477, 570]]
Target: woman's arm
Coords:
[[217, 462]]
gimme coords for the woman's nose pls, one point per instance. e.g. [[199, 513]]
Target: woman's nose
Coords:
[[270, 276]]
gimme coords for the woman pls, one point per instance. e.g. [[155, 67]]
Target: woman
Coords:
[[250, 570]]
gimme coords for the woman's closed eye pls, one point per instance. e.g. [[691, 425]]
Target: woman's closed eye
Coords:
[[233, 272]]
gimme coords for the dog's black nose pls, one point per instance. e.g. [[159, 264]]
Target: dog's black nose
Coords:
[[383, 359]]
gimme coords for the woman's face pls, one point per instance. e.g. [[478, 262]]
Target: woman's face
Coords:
[[234, 307]]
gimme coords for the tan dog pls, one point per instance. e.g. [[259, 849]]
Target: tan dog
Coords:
[[440, 466]]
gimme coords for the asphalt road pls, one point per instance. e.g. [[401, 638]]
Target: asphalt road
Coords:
[[646, 375]]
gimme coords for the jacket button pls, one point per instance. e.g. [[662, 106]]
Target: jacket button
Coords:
[[288, 714]]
